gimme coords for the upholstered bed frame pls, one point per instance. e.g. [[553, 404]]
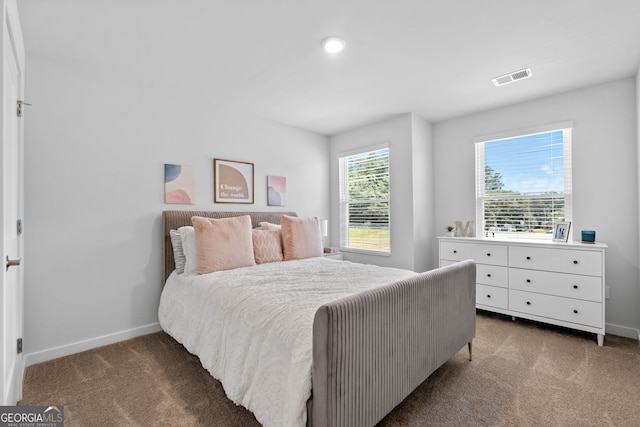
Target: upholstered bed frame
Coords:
[[371, 350], [172, 220]]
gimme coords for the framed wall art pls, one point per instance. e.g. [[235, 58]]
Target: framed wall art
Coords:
[[232, 181], [276, 190], [179, 184]]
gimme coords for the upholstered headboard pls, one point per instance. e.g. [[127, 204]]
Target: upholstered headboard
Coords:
[[176, 219]]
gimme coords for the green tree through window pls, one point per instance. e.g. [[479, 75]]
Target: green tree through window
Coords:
[[526, 184], [364, 201]]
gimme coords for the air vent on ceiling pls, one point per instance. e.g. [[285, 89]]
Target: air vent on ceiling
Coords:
[[512, 77]]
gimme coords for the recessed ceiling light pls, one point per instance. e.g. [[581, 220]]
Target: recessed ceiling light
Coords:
[[333, 44]]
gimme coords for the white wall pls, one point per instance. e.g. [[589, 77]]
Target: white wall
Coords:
[[409, 144], [424, 232], [96, 144], [605, 181]]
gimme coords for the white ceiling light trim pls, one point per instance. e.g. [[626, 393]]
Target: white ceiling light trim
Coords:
[[512, 77], [333, 44]]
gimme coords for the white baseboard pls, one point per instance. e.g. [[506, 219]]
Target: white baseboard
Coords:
[[622, 331], [77, 347]]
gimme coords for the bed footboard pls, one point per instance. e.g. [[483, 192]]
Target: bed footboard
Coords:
[[371, 350]]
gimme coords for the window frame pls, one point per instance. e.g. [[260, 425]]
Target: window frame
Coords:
[[344, 204], [517, 133]]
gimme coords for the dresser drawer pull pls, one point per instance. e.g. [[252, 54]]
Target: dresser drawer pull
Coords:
[[575, 261], [488, 254], [575, 311], [528, 303], [488, 275], [455, 252], [528, 280], [488, 296], [575, 286], [528, 257]]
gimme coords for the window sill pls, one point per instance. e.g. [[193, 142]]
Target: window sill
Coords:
[[365, 252]]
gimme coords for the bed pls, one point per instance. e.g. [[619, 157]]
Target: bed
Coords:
[[317, 341]]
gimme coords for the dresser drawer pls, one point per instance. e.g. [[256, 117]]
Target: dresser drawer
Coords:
[[569, 310], [560, 284], [492, 275], [455, 251], [571, 261], [489, 254], [492, 296]]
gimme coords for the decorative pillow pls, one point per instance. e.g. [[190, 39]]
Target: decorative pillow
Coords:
[[267, 246], [301, 237], [223, 244], [178, 253], [270, 226], [188, 238]]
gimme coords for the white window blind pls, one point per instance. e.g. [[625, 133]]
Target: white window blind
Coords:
[[364, 200], [523, 183]]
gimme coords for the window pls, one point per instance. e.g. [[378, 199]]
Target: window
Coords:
[[364, 200], [523, 182]]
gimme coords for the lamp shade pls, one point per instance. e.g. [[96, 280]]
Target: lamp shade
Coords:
[[324, 227]]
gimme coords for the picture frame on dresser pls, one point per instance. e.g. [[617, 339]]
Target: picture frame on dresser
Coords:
[[561, 231]]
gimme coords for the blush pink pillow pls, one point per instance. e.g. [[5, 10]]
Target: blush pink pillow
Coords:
[[301, 237], [223, 244], [267, 246]]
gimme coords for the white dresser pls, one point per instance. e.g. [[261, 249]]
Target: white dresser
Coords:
[[551, 282]]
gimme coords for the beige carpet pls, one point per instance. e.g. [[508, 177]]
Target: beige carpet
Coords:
[[523, 374]]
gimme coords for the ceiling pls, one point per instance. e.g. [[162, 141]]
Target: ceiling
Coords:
[[434, 58]]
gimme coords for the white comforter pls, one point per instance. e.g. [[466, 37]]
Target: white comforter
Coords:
[[252, 327]]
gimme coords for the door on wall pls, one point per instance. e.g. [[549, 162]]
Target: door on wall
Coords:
[[11, 179]]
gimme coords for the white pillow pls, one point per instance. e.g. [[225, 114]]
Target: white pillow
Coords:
[[188, 237], [270, 226], [178, 253]]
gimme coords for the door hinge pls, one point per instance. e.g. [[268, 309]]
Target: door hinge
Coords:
[[19, 105], [19, 227], [19, 345]]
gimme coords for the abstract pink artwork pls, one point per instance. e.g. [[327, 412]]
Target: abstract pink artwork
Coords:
[[276, 191], [179, 184]]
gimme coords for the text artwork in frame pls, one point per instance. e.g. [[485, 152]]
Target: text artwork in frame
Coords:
[[232, 181], [276, 190], [179, 184]]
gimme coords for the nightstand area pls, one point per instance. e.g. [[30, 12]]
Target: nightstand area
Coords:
[[336, 255]]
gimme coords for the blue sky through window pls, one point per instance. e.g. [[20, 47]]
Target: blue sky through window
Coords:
[[531, 164]]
